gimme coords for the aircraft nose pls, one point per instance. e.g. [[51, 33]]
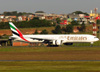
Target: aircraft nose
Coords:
[[97, 39]]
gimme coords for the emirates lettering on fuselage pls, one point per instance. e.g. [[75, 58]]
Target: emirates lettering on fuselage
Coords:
[[76, 38]]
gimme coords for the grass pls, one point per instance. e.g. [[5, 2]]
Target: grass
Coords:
[[50, 66], [49, 29], [87, 44], [45, 49]]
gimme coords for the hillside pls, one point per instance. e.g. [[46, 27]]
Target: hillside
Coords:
[[49, 29], [26, 30]]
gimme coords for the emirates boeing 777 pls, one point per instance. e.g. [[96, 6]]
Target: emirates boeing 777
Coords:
[[57, 39]]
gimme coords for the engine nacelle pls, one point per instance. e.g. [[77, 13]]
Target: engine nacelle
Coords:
[[68, 43], [57, 42]]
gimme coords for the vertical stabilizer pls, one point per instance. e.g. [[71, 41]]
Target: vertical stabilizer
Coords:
[[14, 30]]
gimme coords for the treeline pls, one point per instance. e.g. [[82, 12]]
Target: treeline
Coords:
[[28, 24], [68, 29], [80, 12], [98, 21], [15, 13]]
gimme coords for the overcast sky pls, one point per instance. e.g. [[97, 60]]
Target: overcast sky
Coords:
[[49, 6]]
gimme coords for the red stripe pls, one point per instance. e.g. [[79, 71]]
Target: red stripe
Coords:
[[21, 36], [94, 24], [94, 29], [94, 34]]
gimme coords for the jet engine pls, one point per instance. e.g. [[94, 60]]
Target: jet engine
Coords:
[[57, 42]]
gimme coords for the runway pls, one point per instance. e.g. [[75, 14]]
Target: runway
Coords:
[[52, 60]]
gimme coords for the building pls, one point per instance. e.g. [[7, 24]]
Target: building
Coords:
[[30, 17], [22, 18], [64, 22]]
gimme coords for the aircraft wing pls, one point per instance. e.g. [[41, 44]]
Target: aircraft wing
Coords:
[[42, 39]]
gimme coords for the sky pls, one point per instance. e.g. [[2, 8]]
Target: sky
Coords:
[[49, 6]]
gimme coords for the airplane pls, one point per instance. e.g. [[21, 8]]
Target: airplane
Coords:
[[52, 39]]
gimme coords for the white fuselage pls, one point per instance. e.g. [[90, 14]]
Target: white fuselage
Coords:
[[64, 38]]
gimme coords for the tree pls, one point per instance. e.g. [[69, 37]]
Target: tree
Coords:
[[20, 14], [14, 13], [7, 13], [69, 29], [74, 23], [10, 13], [80, 12], [44, 32], [0, 36], [83, 27], [58, 20], [28, 24], [39, 12], [36, 32], [36, 18], [98, 21], [57, 30]]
